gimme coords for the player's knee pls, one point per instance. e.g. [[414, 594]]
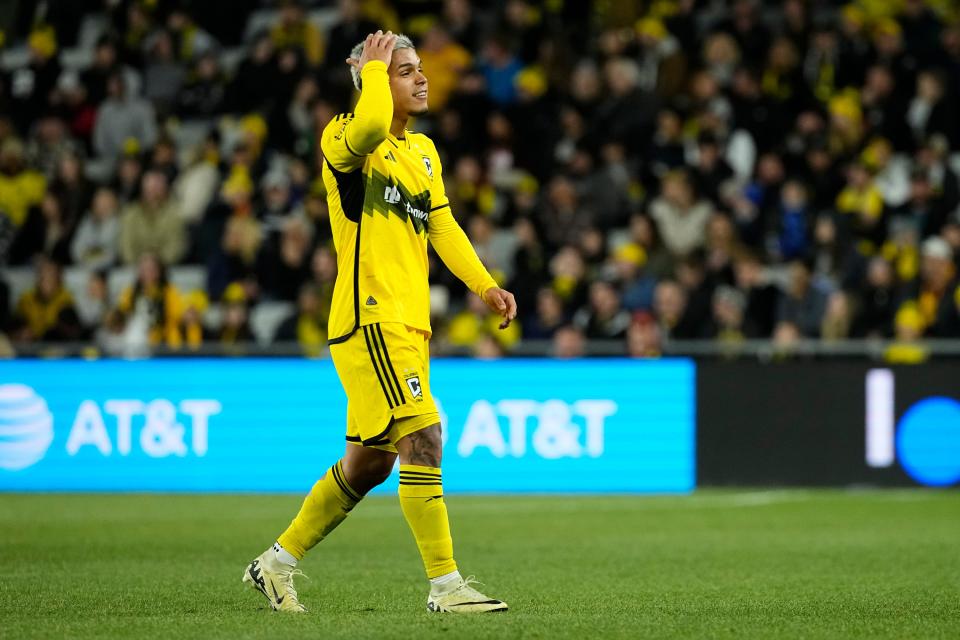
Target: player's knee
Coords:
[[423, 447]]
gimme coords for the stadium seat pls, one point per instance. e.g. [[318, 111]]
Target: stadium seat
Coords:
[[231, 58], [119, 279], [260, 21], [19, 279], [76, 279], [76, 58], [15, 58], [325, 19], [92, 27], [265, 319]]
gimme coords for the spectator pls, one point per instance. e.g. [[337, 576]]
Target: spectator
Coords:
[[794, 226], [283, 265], [163, 75], [803, 305], [936, 292], [95, 244], [71, 187], [308, 325], [838, 317], [568, 342], [627, 114], [20, 186], [152, 309], [877, 301], [445, 61], [32, 85], [931, 110], [203, 94], [499, 67], [604, 318], [46, 232], [907, 348], [681, 218], [253, 84], [351, 27], [728, 315], [643, 337], [235, 258], [71, 103], [94, 307], [123, 117], [152, 225], [547, 318], [235, 331], [669, 309], [294, 30], [189, 39], [45, 313], [762, 295]]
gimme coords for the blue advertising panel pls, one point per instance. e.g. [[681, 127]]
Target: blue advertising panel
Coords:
[[277, 424]]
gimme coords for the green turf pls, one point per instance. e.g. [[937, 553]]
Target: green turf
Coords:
[[713, 565]]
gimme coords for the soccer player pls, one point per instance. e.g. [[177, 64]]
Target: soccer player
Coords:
[[386, 196]]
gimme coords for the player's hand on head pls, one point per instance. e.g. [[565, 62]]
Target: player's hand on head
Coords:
[[377, 46], [502, 302]]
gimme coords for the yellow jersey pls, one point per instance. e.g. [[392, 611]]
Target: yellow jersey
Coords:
[[386, 199]]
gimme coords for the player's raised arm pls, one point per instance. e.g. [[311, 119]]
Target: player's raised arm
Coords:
[[360, 135]]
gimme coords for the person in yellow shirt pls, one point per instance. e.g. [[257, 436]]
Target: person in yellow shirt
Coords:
[[46, 312], [153, 299], [446, 61], [20, 187], [296, 31], [387, 200]]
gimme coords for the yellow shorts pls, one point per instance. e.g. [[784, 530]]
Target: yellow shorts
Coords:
[[385, 371]]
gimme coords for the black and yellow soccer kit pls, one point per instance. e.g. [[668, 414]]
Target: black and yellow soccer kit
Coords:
[[386, 199]]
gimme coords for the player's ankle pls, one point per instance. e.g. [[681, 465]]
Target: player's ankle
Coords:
[[446, 582], [283, 556]]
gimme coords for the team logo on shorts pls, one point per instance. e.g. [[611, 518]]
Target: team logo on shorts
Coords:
[[413, 382], [426, 163]]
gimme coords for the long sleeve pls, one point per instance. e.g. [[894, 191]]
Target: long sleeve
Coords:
[[454, 248], [348, 139]]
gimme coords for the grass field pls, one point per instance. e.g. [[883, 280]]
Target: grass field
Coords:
[[784, 564]]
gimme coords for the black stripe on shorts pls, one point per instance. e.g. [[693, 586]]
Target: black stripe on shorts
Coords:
[[373, 360], [386, 355]]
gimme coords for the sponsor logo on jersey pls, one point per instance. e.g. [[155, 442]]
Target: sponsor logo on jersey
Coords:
[[391, 194], [413, 383]]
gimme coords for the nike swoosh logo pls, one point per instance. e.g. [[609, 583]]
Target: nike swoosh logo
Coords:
[[276, 596]]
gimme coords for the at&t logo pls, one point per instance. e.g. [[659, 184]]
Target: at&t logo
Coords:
[[26, 427]]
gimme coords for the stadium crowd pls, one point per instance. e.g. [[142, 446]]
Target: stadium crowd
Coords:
[[641, 172]]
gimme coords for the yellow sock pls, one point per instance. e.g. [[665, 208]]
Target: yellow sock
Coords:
[[421, 498], [326, 506]]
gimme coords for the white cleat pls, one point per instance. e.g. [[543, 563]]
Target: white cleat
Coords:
[[274, 580], [463, 598]]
